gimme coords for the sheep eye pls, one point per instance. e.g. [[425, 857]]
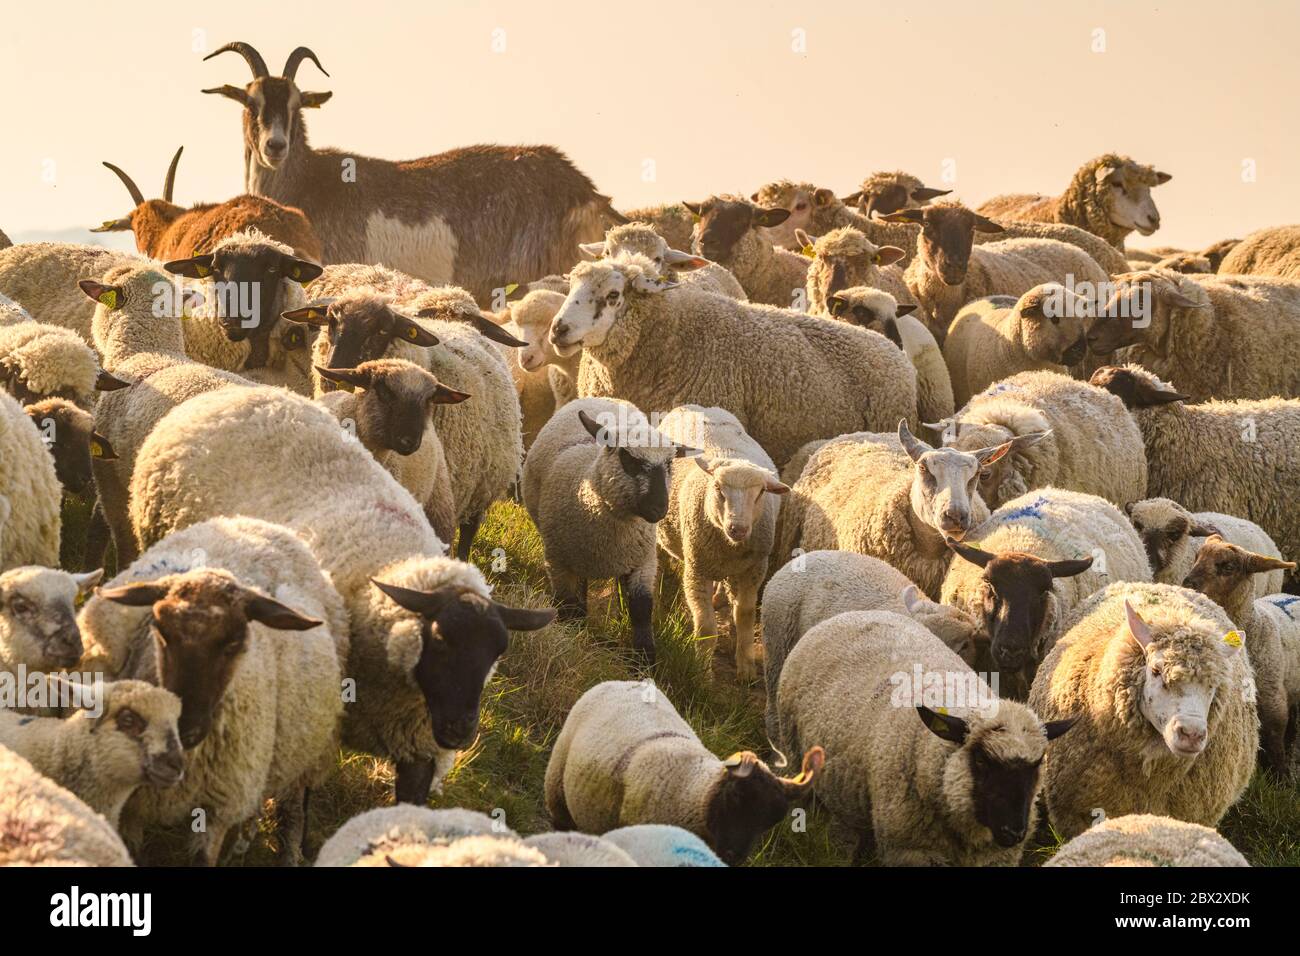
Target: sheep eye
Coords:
[[612, 298], [21, 606], [129, 722], [986, 474]]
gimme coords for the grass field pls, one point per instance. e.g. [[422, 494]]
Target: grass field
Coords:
[[544, 673]]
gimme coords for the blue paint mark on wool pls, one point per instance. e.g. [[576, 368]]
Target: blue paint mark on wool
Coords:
[[1000, 387], [1032, 510], [1284, 605]]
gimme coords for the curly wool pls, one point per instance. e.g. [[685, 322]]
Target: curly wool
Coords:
[[32, 490], [709, 350], [1141, 839], [886, 772], [1168, 523], [1093, 447], [1110, 259], [43, 276], [671, 220], [42, 824], [1274, 251], [378, 831], [578, 849], [833, 214], [635, 238], [49, 361], [858, 258], [1113, 758]]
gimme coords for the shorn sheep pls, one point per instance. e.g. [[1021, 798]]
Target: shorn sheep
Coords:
[[1141, 839], [1022, 571], [924, 762], [1163, 691], [207, 613], [425, 633], [1069, 435], [893, 500], [31, 488], [816, 586], [721, 521], [994, 338], [596, 484], [625, 756], [164, 230], [1109, 196], [1216, 336], [1173, 535], [1227, 457], [1223, 572], [1274, 251], [658, 346], [525, 209], [42, 824], [38, 618]]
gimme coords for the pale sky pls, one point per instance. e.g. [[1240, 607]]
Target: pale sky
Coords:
[[1008, 94]]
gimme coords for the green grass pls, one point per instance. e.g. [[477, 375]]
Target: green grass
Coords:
[[544, 673]]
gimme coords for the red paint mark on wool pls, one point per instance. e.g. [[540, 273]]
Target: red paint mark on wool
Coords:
[[401, 514]]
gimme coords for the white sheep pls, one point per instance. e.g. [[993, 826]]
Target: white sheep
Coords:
[[120, 736], [661, 844], [544, 380], [48, 361], [625, 756], [844, 258], [38, 617], [1143, 839], [202, 612], [43, 276], [1021, 572], [659, 346], [820, 584], [43, 824], [721, 521], [637, 238], [1164, 703], [1173, 535], [924, 761], [371, 538], [578, 849], [29, 482], [1069, 435], [404, 836], [595, 484]]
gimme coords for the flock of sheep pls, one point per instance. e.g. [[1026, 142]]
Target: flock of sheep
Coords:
[[1010, 498]]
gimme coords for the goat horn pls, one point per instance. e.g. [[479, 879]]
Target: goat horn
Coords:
[[296, 57], [136, 196], [255, 61], [170, 181]]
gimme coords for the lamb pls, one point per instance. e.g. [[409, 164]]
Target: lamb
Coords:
[[880, 312], [886, 192], [120, 736], [371, 538], [660, 844], [596, 484], [417, 836], [483, 440], [1143, 839], [1243, 451], [390, 416], [995, 337], [1034, 560], [42, 824], [1172, 536], [1071, 435], [640, 239], [865, 682], [671, 220], [1273, 251], [1109, 196], [1223, 572], [38, 618], [729, 234], [165, 231], [1218, 336], [625, 756], [544, 380], [73, 442], [709, 350], [721, 521], [948, 271], [818, 585], [844, 258], [29, 484], [47, 361], [43, 276], [1166, 725], [893, 500], [260, 711], [578, 849]]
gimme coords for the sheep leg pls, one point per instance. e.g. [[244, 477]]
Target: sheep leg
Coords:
[[206, 845], [97, 535], [698, 592], [414, 778], [744, 592], [468, 528], [115, 500], [639, 597], [570, 594], [865, 849], [291, 811]]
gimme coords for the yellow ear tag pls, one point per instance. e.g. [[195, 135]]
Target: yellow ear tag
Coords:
[[1232, 639], [807, 251], [938, 726], [201, 270], [875, 259], [695, 217], [412, 333], [96, 449], [108, 224], [109, 298], [510, 288]]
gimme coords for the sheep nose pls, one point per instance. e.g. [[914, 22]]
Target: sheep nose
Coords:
[[1190, 736], [1009, 836], [559, 330], [953, 521], [737, 532]]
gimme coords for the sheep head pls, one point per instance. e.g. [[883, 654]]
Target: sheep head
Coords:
[[728, 225], [883, 193], [38, 617], [532, 316], [136, 728], [1051, 320], [1142, 311], [1001, 479], [361, 326], [632, 472], [599, 294], [69, 432], [1135, 386], [748, 799], [1164, 527], [802, 203], [734, 501], [870, 309], [944, 493], [841, 259], [397, 399], [1122, 188], [947, 235], [1224, 572]]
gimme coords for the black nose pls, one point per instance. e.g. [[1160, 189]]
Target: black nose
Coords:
[[1008, 836], [191, 737], [456, 734]]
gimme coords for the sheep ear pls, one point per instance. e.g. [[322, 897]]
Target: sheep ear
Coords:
[[109, 296], [914, 447], [196, 267], [1199, 529], [524, 618], [106, 382], [1176, 299], [87, 582], [603, 435], [281, 617], [774, 487], [680, 261], [1147, 396], [300, 270], [351, 377], [1068, 569], [425, 603], [925, 193], [916, 216], [911, 597], [974, 555], [686, 451], [408, 330], [314, 314], [943, 726], [823, 196], [138, 594], [740, 765], [490, 330], [891, 332], [1137, 628], [1028, 439], [695, 207], [443, 395], [888, 255], [592, 250], [1259, 563], [773, 216], [852, 199], [1162, 178], [838, 305], [813, 761], [1104, 174], [704, 464], [906, 308], [1054, 728], [100, 448], [652, 284], [803, 239], [984, 224]]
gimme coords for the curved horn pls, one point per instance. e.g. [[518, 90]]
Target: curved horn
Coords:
[[255, 61], [136, 196], [170, 181], [295, 58]]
